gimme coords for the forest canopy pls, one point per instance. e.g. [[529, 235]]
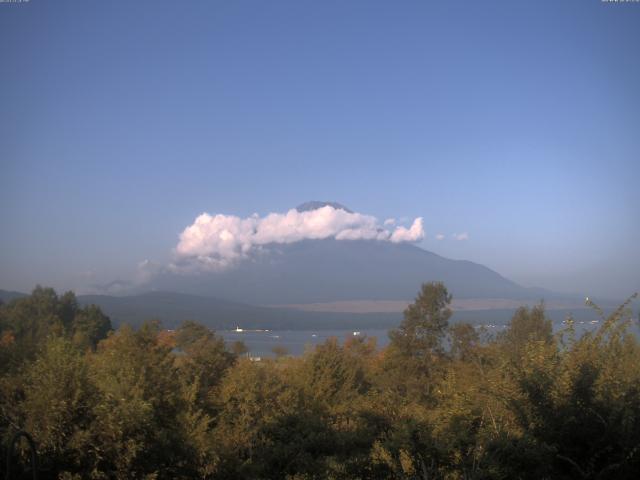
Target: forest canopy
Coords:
[[442, 400]]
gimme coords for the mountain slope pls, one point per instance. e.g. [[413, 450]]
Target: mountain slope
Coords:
[[332, 270], [7, 295]]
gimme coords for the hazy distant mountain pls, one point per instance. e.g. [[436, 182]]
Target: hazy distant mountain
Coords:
[[7, 296], [312, 271]]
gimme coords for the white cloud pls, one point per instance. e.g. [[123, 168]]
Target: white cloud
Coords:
[[439, 236], [413, 234], [389, 221], [216, 242], [461, 236]]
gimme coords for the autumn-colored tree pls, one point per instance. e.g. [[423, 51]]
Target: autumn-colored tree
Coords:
[[152, 403]]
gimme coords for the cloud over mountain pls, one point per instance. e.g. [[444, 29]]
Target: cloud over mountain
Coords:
[[215, 242]]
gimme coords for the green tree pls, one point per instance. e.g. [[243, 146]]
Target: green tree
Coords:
[[464, 340], [251, 398], [425, 323], [29, 321], [413, 360], [89, 326], [204, 359], [137, 430], [58, 406], [526, 325], [334, 378]]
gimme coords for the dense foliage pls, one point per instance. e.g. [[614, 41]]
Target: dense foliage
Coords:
[[441, 401]]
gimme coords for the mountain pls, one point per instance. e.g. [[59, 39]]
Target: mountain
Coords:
[[7, 295], [316, 284], [312, 271]]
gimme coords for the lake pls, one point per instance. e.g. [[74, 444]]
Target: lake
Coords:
[[261, 343]]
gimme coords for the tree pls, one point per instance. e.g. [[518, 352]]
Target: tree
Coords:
[[527, 325], [251, 398], [204, 359], [89, 326], [464, 339], [416, 352], [425, 322], [31, 320], [581, 407], [333, 378], [58, 403], [137, 429]]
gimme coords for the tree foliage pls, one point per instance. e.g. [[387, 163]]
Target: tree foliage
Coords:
[[437, 402]]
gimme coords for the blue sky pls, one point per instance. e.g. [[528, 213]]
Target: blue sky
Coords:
[[517, 122]]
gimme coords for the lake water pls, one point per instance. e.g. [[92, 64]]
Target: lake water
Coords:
[[261, 343]]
